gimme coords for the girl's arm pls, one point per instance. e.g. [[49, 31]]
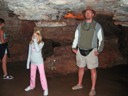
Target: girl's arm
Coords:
[[38, 47], [28, 59]]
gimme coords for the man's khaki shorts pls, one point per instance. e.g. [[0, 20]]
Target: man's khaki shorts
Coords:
[[91, 60]]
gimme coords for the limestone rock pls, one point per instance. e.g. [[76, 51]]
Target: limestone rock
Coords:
[[56, 9]]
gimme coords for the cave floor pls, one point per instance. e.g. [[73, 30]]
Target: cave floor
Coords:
[[112, 81]]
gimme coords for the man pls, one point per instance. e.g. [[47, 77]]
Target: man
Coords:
[[4, 52], [87, 45]]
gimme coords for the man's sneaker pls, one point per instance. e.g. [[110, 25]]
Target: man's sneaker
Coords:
[[28, 88], [7, 77], [45, 92], [77, 87], [92, 93]]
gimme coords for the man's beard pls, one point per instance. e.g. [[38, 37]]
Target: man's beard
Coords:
[[88, 18]]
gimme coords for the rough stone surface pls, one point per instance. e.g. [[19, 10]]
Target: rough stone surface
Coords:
[[58, 44], [56, 9], [63, 60], [58, 40]]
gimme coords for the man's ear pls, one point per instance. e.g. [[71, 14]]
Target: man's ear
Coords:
[[93, 15]]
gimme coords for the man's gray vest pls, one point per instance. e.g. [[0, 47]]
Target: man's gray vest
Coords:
[[86, 35]]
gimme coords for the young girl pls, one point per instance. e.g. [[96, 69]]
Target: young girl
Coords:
[[4, 50], [36, 59]]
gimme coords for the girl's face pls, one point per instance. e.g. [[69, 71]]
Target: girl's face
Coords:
[[35, 35]]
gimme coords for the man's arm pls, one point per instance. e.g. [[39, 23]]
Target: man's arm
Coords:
[[75, 41], [100, 36], [76, 37]]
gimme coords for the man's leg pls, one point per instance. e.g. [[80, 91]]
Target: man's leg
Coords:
[[80, 76], [80, 79], [92, 64], [4, 64], [81, 63], [93, 78], [4, 68]]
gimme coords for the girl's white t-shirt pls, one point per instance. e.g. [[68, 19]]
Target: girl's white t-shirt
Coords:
[[35, 53]]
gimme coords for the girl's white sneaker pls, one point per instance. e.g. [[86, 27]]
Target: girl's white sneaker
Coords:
[[28, 88], [45, 92]]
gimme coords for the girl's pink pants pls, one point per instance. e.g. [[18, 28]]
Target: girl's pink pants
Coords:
[[42, 76]]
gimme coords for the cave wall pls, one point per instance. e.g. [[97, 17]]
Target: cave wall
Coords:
[[18, 33], [57, 52]]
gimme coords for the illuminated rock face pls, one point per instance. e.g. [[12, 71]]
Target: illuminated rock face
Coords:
[[56, 9], [58, 38]]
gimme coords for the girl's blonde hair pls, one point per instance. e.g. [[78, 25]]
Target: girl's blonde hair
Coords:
[[39, 36]]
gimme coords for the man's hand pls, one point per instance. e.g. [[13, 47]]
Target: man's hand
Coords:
[[74, 50], [96, 53]]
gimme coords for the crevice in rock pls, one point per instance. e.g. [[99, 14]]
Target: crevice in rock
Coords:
[[48, 49]]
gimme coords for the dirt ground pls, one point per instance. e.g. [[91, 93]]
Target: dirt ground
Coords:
[[111, 81]]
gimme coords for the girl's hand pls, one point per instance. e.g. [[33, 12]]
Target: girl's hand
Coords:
[[34, 36]]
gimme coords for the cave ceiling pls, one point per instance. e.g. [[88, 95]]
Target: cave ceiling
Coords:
[[52, 10]]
